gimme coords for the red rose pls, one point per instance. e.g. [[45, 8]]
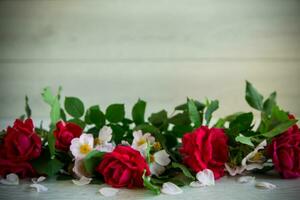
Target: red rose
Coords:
[[124, 167], [21, 143], [205, 148], [22, 168], [285, 152], [64, 133]]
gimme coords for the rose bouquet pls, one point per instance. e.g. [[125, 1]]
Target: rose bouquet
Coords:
[[162, 153]]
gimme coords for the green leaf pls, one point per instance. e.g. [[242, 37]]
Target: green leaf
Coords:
[[280, 128], [270, 103], [180, 119], [184, 107], [147, 128], [55, 112], [45, 165], [115, 113], [220, 123], [241, 123], [79, 122], [27, 107], [147, 183], [138, 112], [51, 143], [170, 140], [159, 119], [74, 107], [211, 107], [193, 113], [95, 116], [277, 116], [47, 95], [92, 160], [180, 130], [118, 133], [53, 101], [253, 97], [184, 170], [244, 140], [63, 115]]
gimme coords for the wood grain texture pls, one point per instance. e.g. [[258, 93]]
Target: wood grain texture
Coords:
[[108, 51], [226, 189], [63, 30]]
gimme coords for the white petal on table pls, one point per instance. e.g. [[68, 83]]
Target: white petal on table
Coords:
[[265, 185], [196, 184], [39, 187], [171, 189], [108, 191], [11, 179], [246, 179], [206, 177], [82, 181], [162, 158], [38, 180]]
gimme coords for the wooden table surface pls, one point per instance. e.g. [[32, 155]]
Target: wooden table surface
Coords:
[[226, 188]]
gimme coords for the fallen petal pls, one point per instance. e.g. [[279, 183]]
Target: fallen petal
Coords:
[[196, 184], [82, 181], [38, 180], [265, 185], [171, 189], [246, 179], [206, 177], [11, 179], [108, 191], [235, 170], [39, 187]]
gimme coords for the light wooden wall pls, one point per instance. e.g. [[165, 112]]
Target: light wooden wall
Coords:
[[107, 51]]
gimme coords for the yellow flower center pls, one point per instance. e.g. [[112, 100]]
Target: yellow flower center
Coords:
[[98, 141], [257, 157], [85, 148], [156, 146], [141, 142], [152, 159]]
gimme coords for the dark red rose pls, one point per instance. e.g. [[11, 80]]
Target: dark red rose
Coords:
[[21, 143], [205, 148], [124, 167], [22, 168], [64, 133], [285, 152]]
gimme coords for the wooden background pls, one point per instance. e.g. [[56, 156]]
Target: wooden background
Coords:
[[107, 51]]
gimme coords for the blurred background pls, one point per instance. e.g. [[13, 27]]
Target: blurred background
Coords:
[[116, 51]]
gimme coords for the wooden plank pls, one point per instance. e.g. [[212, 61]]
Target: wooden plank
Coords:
[[226, 187], [163, 85], [157, 30]]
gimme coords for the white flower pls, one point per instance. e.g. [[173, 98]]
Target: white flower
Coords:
[[159, 160], [171, 189], [11, 179], [104, 137], [37, 186], [141, 141], [254, 160], [79, 169], [234, 170], [204, 178], [80, 147]]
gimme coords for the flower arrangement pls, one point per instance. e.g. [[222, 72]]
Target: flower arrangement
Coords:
[[160, 153]]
